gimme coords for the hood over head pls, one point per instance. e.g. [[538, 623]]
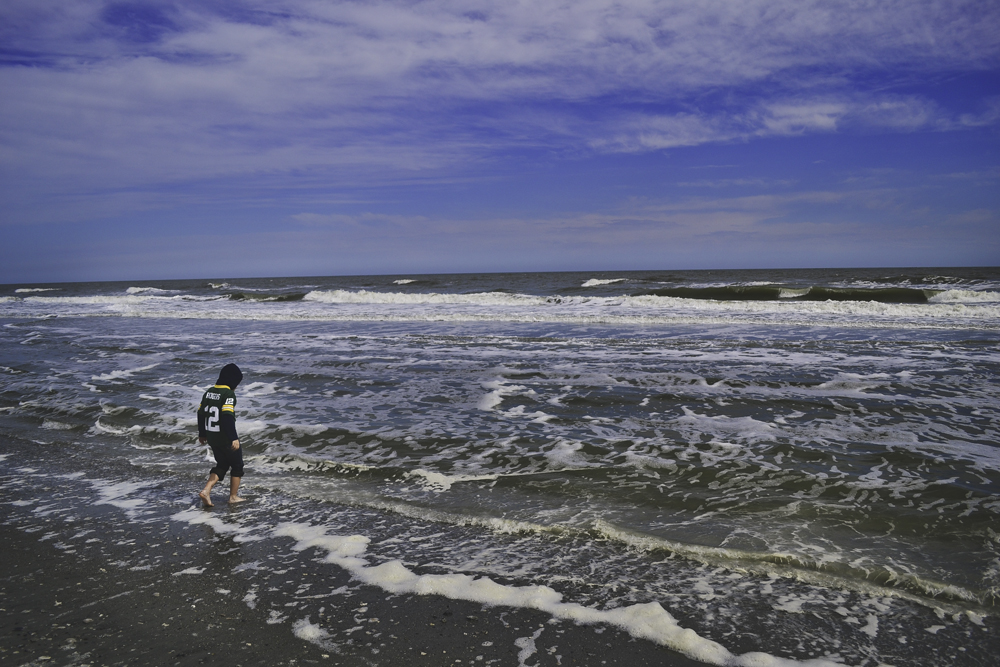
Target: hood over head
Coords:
[[231, 375]]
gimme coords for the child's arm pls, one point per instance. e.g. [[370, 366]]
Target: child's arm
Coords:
[[202, 433]]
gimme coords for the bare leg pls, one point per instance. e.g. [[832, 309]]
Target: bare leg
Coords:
[[206, 493], [234, 487]]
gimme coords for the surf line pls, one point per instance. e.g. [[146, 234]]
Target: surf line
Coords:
[[644, 621]]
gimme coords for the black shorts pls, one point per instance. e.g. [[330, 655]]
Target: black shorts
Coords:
[[226, 458]]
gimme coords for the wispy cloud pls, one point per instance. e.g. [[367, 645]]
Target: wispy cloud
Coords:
[[168, 91], [778, 218], [313, 115]]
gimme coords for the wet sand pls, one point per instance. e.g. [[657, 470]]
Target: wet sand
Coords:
[[75, 611], [83, 583]]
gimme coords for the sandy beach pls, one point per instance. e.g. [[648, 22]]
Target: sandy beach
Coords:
[[83, 585]]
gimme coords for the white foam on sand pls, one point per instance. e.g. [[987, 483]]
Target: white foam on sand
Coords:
[[240, 532], [306, 630], [251, 598], [116, 494], [310, 632], [645, 621], [527, 646]]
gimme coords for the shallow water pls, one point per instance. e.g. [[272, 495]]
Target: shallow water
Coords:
[[823, 472]]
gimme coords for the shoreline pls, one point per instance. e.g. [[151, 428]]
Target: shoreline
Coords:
[[87, 582], [78, 611]]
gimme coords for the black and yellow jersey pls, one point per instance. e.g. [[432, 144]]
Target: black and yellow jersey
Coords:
[[217, 416]]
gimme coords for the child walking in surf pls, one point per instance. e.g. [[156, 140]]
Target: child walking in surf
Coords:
[[217, 427]]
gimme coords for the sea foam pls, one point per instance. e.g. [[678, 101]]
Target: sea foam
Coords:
[[644, 621]]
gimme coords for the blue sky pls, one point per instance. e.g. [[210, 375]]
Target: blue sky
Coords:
[[144, 140]]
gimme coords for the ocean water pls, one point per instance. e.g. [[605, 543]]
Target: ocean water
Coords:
[[743, 466]]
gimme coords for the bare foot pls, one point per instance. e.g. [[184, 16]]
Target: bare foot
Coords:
[[206, 499], [236, 499]]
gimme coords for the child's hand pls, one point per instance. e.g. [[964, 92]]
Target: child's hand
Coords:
[[236, 445]]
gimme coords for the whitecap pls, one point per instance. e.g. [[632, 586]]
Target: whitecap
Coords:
[[965, 296], [128, 372], [433, 298], [596, 282]]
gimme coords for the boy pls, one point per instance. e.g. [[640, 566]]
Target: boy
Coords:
[[217, 427]]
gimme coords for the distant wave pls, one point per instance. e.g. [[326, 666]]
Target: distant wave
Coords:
[[904, 279], [776, 292], [595, 282], [965, 296], [387, 298], [725, 304], [149, 290], [24, 290], [95, 299], [415, 282], [115, 299], [243, 296]]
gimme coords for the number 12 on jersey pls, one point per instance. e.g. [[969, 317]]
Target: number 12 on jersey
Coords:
[[212, 418]]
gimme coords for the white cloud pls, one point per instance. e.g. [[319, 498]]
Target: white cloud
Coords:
[[988, 116], [390, 87], [737, 182], [797, 118], [768, 218]]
